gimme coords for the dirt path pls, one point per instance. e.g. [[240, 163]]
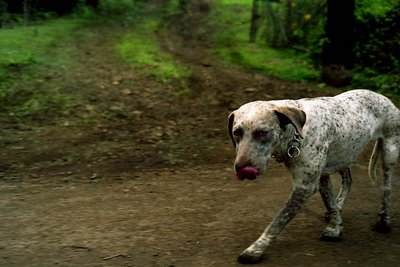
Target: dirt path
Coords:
[[152, 185]]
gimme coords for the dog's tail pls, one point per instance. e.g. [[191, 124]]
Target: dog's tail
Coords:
[[373, 161]]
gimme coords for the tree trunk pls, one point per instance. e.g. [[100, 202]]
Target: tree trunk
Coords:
[[3, 11], [340, 33], [255, 19], [28, 11], [288, 26], [279, 38], [93, 4]]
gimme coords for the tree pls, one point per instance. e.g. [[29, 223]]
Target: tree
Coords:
[[27, 6], [288, 24], [254, 23], [340, 33], [338, 50], [276, 32], [3, 11], [279, 38], [93, 3]]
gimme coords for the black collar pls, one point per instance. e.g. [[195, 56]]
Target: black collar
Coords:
[[293, 150]]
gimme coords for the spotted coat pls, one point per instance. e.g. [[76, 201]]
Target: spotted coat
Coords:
[[333, 131]]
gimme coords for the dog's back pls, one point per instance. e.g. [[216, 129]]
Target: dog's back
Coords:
[[348, 122]]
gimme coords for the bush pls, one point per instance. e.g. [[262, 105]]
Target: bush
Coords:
[[378, 40]]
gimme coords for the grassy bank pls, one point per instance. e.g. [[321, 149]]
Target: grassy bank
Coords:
[[232, 44], [29, 55], [41, 73], [232, 19], [27, 45]]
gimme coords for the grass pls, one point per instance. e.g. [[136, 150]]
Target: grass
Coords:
[[26, 53], [283, 64], [141, 50], [233, 45], [24, 46], [29, 55], [232, 18]]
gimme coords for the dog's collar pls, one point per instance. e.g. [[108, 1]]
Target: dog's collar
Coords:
[[293, 150]]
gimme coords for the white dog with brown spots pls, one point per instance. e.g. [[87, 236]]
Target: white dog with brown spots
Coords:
[[314, 138]]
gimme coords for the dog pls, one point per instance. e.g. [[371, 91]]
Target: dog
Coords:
[[315, 137]]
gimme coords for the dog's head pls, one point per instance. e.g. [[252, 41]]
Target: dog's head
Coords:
[[256, 130]]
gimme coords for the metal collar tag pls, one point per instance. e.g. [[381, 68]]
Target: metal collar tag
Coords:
[[293, 150]]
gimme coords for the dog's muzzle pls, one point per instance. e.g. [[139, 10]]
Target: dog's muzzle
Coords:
[[248, 172]]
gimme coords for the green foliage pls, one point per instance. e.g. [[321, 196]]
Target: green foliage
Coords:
[[139, 47], [120, 10], [379, 39], [284, 64], [233, 45], [376, 8], [378, 45], [234, 19], [29, 55], [23, 95], [388, 84], [172, 8], [116, 7], [377, 50], [24, 46], [37, 103]]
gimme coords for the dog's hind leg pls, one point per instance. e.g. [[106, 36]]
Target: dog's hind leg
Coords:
[[389, 158], [334, 229], [345, 188]]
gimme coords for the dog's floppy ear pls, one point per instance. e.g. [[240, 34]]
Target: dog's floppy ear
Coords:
[[231, 118], [291, 115]]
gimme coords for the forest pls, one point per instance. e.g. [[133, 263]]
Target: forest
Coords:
[[113, 128], [341, 42]]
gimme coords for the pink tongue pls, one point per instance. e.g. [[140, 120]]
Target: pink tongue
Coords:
[[247, 173]]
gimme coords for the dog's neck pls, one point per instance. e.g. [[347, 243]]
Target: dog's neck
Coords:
[[288, 147]]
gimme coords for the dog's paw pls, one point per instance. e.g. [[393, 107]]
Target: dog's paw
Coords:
[[252, 257], [332, 234]]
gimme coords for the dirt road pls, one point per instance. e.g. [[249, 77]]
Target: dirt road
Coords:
[[156, 188]]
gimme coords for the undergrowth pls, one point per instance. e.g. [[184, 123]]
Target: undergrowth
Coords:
[[232, 18], [232, 45], [32, 56], [27, 45], [24, 52]]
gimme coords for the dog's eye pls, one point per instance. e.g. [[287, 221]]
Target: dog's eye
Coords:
[[238, 133], [260, 134]]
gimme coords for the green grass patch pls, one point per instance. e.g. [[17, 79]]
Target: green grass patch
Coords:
[[26, 54], [140, 48], [387, 84], [233, 45], [38, 63], [23, 46], [283, 64]]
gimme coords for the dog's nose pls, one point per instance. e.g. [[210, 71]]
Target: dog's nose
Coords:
[[240, 165]]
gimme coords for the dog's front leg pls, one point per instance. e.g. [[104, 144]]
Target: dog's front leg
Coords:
[[297, 199]]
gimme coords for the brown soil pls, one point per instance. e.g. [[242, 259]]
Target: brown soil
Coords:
[[152, 183]]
